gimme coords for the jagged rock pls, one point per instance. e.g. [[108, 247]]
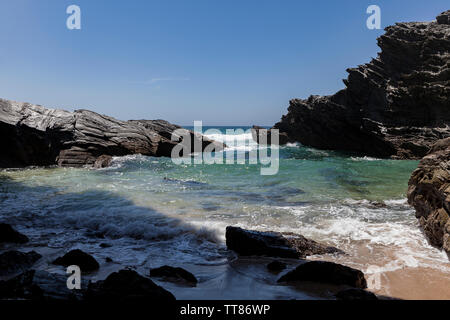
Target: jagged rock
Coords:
[[355, 294], [326, 272], [395, 106], [127, 285], [103, 161], [260, 134], [276, 266], [34, 135], [174, 275], [38, 285], [273, 244], [86, 262], [8, 234], [429, 193], [15, 261]]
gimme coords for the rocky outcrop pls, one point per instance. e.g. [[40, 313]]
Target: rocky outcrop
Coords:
[[127, 286], [15, 261], [273, 244], [429, 193], [8, 234], [326, 272], [396, 106], [34, 135], [172, 274], [263, 136], [86, 262], [355, 294]]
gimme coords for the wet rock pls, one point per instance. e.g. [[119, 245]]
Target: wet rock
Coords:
[[105, 245], [38, 285], [355, 294], [273, 244], [276, 266], [34, 135], [263, 136], [103, 161], [8, 234], [127, 285], [86, 262], [429, 194], [174, 275], [108, 259], [15, 261], [395, 106], [326, 272]]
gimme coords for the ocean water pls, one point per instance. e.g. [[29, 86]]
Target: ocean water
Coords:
[[151, 212]]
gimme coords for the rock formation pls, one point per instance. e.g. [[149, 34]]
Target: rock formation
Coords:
[[273, 244], [177, 275], [429, 193], [86, 262], [396, 106], [36, 136]]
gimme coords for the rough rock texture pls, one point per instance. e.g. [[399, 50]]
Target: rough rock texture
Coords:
[[127, 285], [38, 285], [326, 272], [86, 262], [355, 294], [14, 261], [396, 106], [264, 136], [429, 193], [272, 244], [34, 135], [172, 274], [8, 234]]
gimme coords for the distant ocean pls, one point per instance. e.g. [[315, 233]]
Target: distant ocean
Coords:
[[149, 212]]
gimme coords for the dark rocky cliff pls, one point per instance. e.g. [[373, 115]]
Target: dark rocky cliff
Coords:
[[32, 135], [396, 106]]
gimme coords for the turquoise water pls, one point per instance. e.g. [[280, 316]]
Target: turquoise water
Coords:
[[154, 212]]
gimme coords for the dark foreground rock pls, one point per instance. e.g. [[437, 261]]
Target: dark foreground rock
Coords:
[[37, 285], [15, 261], [263, 136], [34, 135], [273, 244], [429, 193], [86, 262], [8, 234], [355, 294], [127, 285], [276, 266], [326, 272], [395, 106], [172, 274]]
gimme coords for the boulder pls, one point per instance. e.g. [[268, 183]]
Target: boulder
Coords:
[[276, 266], [8, 234], [355, 294], [15, 261], [172, 274], [127, 285], [38, 285], [326, 272], [86, 262], [37, 136], [429, 194], [396, 106], [103, 161], [263, 136], [273, 244]]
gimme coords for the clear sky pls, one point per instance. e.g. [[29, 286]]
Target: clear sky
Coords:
[[229, 62]]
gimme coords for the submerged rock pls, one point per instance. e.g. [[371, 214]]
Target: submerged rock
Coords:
[[86, 262], [8, 234], [429, 193], [276, 266], [174, 275], [395, 106], [355, 294], [326, 272], [37, 285], [34, 135], [127, 285], [273, 244], [15, 261]]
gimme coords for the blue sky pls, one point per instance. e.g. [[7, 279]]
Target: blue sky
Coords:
[[224, 62]]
